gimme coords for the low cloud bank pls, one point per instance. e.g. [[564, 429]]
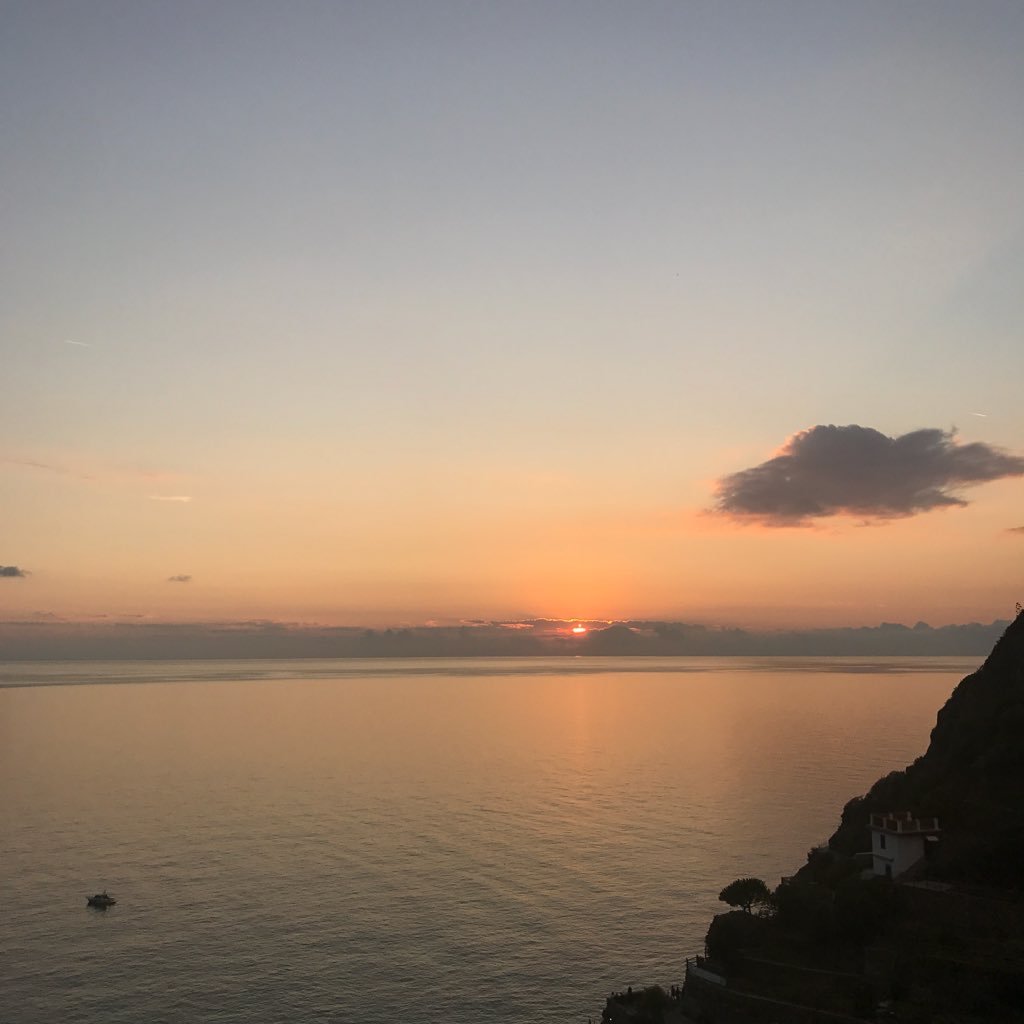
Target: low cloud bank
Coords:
[[859, 471], [35, 639], [12, 572]]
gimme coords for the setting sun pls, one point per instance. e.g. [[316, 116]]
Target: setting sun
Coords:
[[579, 629]]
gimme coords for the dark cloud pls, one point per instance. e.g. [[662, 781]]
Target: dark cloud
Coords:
[[853, 470], [179, 579], [13, 571], [1016, 529]]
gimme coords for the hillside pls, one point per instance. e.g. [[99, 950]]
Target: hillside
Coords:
[[942, 943], [971, 777]]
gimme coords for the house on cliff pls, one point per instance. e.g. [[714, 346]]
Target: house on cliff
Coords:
[[899, 841]]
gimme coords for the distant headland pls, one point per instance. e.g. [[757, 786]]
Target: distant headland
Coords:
[[50, 638]]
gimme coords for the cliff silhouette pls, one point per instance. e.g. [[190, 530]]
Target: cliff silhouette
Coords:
[[971, 777], [941, 943]]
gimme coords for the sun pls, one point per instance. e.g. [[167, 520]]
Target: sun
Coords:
[[579, 629]]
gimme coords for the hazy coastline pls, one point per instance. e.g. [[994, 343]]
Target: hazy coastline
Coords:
[[49, 640]]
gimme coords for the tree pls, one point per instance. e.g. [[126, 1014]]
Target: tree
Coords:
[[745, 892]]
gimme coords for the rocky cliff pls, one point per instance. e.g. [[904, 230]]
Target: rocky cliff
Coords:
[[971, 777], [944, 944]]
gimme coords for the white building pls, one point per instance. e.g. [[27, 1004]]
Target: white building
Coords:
[[898, 841]]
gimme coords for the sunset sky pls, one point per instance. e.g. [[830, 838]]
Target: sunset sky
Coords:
[[394, 312]]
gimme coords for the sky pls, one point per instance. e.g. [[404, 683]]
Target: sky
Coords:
[[402, 312]]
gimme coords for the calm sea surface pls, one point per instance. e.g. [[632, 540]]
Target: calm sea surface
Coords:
[[428, 841]]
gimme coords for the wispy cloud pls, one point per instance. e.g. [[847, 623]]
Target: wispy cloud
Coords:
[[170, 497], [179, 579], [12, 572], [1016, 529], [47, 467], [854, 470], [80, 344], [96, 471]]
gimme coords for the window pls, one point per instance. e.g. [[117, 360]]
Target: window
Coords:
[[881, 840]]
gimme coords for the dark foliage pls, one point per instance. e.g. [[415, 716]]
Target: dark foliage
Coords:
[[746, 893], [730, 934], [644, 1006], [862, 908]]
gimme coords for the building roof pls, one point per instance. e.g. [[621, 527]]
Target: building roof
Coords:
[[903, 823]]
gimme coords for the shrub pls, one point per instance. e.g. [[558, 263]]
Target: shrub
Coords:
[[730, 934]]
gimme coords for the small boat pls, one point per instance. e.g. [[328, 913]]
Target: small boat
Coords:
[[101, 900]]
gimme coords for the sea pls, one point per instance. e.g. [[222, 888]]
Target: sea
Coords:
[[429, 841]]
